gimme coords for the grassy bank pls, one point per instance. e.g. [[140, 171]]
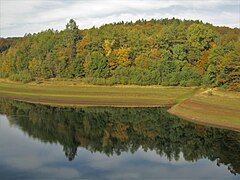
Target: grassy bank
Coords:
[[77, 94], [212, 107]]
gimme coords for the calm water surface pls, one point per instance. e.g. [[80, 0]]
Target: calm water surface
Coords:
[[92, 143]]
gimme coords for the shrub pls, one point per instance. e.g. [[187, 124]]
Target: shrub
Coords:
[[23, 76]]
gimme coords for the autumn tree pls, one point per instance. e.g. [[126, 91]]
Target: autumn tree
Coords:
[[163, 51]]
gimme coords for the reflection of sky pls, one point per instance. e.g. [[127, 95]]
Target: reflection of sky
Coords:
[[24, 157]]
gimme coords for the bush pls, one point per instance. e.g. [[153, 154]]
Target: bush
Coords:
[[23, 76], [112, 80]]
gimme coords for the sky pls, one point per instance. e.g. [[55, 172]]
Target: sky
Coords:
[[19, 17]]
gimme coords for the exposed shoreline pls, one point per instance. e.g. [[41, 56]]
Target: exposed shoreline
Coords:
[[218, 110], [202, 121]]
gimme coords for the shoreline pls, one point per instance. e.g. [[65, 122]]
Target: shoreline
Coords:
[[222, 109], [196, 120]]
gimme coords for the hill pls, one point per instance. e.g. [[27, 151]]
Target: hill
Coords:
[[156, 52]]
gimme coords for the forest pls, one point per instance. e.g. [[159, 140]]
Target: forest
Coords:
[[168, 52]]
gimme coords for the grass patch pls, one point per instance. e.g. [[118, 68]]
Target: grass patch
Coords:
[[220, 109], [86, 96], [142, 95]]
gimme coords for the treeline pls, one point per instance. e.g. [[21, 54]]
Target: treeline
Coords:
[[6, 43], [163, 52]]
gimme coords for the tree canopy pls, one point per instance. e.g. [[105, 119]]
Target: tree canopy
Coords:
[[165, 52]]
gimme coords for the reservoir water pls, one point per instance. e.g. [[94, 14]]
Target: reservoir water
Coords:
[[43, 142]]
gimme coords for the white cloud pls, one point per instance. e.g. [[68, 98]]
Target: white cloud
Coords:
[[20, 17]]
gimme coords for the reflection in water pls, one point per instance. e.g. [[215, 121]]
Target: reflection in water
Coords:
[[116, 130]]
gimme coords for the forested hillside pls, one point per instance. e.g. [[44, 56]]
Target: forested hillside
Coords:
[[162, 52]]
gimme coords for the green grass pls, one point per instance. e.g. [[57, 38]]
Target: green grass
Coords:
[[207, 116], [227, 102], [141, 94], [93, 88], [82, 96]]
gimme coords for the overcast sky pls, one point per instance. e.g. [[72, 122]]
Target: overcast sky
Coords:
[[28, 16]]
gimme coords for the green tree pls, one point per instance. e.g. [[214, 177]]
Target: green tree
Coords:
[[200, 36], [98, 66]]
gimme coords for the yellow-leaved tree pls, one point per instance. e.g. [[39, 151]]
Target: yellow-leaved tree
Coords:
[[34, 67], [122, 56]]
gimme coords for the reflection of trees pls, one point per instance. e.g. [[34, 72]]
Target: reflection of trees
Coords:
[[115, 130]]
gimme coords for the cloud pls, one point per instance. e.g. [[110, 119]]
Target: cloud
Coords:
[[20, 17]]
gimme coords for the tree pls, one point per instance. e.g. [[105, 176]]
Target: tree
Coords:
[[73, 33], [108, 46], [122, 56], [201, 63], [229, 69], [76, 69], [35, 67], [98, 66], [200, 36], [145, 52]]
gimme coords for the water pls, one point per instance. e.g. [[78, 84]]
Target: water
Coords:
[[96, 143]]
